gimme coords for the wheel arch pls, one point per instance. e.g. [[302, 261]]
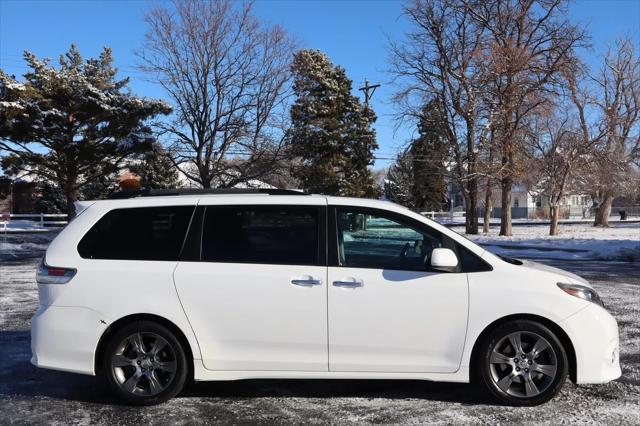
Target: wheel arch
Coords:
[[554, 327], [118, 324]]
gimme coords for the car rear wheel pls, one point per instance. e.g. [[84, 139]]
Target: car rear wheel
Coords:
[[144, 363], [523, 363]]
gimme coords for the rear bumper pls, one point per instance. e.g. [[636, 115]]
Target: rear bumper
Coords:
[[65, 338], [594, 334]]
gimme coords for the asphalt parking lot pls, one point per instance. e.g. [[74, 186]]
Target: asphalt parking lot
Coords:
[[32, 396]]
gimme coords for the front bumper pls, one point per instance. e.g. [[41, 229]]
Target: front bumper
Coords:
[[594, 334], [65, 338]]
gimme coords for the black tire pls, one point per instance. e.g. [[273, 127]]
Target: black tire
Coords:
[[540, 351], [123, 366]]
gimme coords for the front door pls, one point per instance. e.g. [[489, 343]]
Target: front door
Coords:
[[257, 299], [388, 312]]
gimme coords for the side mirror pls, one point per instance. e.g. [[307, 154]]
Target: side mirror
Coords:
[[444, 259]]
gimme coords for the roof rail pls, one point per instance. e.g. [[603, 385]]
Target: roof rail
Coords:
[[120, 195]]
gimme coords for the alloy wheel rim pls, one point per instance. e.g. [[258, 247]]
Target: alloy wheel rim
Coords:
[[144, 364], [523, 364]]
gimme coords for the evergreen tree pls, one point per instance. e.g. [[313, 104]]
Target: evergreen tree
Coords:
[[105, 184], [398, 184], [416, 180], [428, 153], [50, 198], [331, 130], [156, 169], [84, 120]]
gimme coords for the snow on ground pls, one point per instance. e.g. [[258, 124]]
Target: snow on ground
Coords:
[[460, 219], [36, 396], [21, 226], [14, 246], [621, 241]]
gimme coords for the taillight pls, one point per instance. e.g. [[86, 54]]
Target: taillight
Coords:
[[53, 274]]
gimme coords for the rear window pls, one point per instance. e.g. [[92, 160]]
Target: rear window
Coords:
[[261, 234], [147, 233]]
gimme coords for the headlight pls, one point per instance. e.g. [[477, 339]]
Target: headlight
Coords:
[[581, 292]]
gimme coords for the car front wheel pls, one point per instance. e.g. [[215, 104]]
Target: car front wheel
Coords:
[[523, 363], [144, 363]]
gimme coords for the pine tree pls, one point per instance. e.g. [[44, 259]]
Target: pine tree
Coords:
[[105, 184], [84, 120], [331, 129], [156, 169], [49, 198], [428, 152], [417, 179], [398, 184]]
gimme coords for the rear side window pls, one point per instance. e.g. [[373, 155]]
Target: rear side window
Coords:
[[147, 233], [261, 234]]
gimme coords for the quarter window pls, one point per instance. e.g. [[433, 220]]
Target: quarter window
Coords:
[[261, 234], [147, 233]]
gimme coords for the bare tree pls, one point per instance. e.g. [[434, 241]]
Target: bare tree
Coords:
[[560, 163], [490, 169], [530, 43], [609, 113], [441, 59], [227, 75]]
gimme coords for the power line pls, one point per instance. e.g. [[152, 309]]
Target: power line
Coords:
[[416, 158]]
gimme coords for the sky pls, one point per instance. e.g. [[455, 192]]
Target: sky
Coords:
[[354, 34]]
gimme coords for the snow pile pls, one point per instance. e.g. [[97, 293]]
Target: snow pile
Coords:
[[19, 250], [23, 226], [14, 246]]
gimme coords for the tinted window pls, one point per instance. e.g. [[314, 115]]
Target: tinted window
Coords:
[[269, 234], [368, 240], [149, 233]]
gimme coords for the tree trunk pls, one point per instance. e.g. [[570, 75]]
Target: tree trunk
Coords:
[[505, 216], [71, 192], [604, 210], [471, 213], [488, 206], [555, 215]]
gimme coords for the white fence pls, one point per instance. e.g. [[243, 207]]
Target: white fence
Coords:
[[44, 220], [442, 215]]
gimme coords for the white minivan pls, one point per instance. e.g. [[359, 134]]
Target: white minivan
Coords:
[[164, 287]]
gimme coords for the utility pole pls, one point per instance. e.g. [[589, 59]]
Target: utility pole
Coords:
[[368, 87]]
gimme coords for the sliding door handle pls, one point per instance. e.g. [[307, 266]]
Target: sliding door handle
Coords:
[[306, 282], [348, 284]]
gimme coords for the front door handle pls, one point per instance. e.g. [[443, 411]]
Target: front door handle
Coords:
[[306, 282], [348, 284]]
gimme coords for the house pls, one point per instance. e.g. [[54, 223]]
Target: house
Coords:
[[526, 203]]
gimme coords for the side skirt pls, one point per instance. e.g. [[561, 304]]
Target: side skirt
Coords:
[[202, 374]]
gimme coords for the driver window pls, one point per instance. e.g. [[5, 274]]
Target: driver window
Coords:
[[373, 241]]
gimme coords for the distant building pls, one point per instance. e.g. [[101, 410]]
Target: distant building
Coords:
[[525, 203], [17, 194]]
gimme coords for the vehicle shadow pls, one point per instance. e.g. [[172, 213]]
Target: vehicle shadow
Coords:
[[339, 388], [19, 378]]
